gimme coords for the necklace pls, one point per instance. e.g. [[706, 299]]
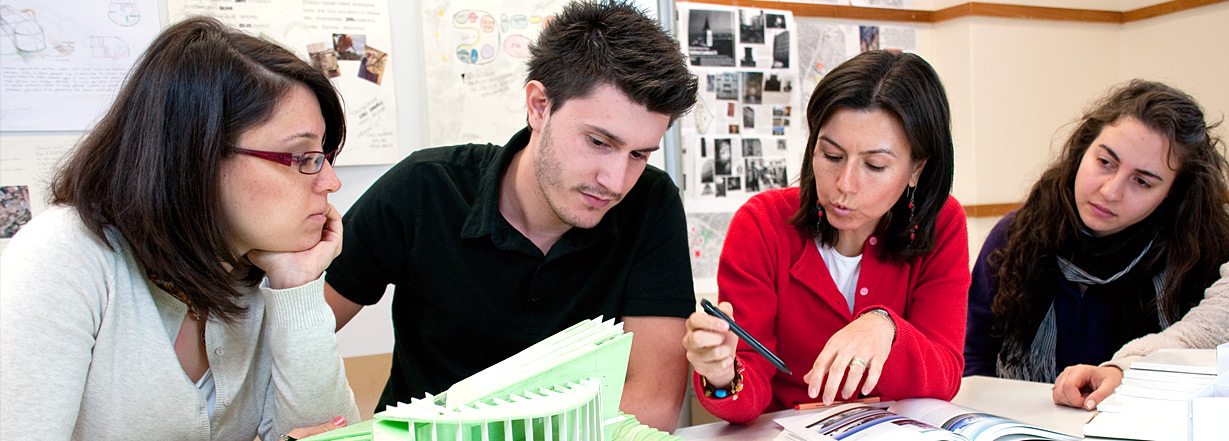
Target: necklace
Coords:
[[176, 293]]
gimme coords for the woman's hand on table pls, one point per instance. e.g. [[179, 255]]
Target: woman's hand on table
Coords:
[[1085, 386], [862, 347]]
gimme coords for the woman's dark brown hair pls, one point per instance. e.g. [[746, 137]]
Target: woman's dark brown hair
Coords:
[[905, 86], [150, 168], [1192, 222]]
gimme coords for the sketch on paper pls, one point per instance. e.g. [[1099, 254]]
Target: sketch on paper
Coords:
[[54, 52], [706, 235], [21, 31], [108, 47], [475, 66], [124, 13]]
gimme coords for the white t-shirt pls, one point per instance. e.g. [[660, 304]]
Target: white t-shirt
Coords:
[[844, 270], [206, 385]]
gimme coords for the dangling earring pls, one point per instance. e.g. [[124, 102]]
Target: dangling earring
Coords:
[[819, 215], [912, 226]]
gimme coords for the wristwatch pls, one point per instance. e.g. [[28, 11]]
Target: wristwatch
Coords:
[[884, 313]]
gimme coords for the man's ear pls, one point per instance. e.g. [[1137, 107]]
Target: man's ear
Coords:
[[537, 103]]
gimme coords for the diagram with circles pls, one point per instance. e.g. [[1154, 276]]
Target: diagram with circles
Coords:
[[479, 36], [475, 55]]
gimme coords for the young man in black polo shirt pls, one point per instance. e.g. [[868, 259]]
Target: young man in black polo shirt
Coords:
[[492, 249]]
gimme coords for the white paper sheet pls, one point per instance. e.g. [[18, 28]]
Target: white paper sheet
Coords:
[[475, 54], [61, 63], [348, 39]]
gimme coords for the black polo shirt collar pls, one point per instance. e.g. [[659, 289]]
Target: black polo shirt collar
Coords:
[[485, 219]]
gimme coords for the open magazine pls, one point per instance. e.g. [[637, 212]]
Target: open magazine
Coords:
[[912, 419]]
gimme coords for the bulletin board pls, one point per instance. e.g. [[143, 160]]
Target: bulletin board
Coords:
[[747, 134]]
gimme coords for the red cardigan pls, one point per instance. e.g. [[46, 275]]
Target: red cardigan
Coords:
[[784, 296]]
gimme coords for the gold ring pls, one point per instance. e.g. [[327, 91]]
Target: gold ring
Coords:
[[858, 362]]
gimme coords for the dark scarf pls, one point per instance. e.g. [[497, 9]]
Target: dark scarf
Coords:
[[1119, 259]]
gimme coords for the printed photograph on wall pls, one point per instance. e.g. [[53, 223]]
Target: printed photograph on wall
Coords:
[[724, 156], [710, 37], [372, 66], [733, 183], [350, 47], [868, 38], [14, 209], [748, 59], [727, 86], [753, 87], [324, 58], [750, 26], [753, 147], [780, 51]]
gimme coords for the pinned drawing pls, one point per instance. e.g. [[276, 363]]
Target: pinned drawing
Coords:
[[706, 236], [703, 116], [108, 47], [475, 65], [21, 31], [124, 12], [478, 37]]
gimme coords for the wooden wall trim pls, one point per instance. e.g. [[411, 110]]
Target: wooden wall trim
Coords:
[[991, 210], [980, 9], [970, 9], [1160, 9], [832, 11]]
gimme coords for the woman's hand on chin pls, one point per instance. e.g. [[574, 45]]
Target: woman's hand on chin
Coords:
[[288, 269]]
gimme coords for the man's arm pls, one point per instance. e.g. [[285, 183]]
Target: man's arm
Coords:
[[656, 371], [343, 308]]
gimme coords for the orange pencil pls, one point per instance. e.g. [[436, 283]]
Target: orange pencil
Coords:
[[805, 406]]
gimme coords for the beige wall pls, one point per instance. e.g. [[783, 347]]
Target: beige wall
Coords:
[[1186, 50], [1016, 85]]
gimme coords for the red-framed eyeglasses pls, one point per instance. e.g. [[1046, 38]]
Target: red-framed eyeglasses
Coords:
[[309, 163]]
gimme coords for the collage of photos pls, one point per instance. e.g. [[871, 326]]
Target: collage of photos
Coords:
[[736, 140], [327, 56]]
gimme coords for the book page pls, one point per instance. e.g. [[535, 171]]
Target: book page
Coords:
[[852, 422], [1194, 361], [974, 425]]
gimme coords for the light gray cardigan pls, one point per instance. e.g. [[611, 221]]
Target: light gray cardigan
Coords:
[[1203, 327], [86, 349]]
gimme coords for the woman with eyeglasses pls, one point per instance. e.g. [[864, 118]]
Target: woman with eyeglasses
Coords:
[[175, 289]]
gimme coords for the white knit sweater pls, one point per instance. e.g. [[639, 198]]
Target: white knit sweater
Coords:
[[86, 349], [1203, 327]]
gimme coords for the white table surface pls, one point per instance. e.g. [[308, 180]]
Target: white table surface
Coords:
[[1022, 400]]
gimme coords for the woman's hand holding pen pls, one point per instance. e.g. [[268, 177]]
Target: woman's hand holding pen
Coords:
[[711, 346], [862, 346], [296, 268]]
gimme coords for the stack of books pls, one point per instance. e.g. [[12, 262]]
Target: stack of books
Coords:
[[1152, 403]]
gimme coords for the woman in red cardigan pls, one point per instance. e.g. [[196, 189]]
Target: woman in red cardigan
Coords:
[[858, 278]]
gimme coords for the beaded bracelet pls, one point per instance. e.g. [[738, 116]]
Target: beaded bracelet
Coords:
[[736, 384]]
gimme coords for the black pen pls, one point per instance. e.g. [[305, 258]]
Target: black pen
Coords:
[[742, 333]]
